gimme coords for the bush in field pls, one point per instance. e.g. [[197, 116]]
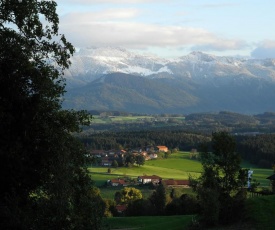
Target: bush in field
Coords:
[[141, 207], [140, 160], [127, 195], [183, 205]]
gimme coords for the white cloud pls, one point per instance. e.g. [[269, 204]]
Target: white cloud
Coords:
[[89, 30], [221, 45], [266, 49], [98, 16]]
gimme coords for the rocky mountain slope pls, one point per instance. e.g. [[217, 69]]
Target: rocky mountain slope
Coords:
[[114, 78]]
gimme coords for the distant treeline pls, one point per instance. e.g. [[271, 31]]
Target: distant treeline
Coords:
[[196, 122], [259, 150], [129, 140]]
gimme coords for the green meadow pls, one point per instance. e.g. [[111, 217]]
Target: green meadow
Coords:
[[148, 222], [177, 166], [115, 119], [259, 174], [128, 119], [261, 212]]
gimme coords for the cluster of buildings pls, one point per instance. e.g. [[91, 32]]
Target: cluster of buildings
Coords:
[[107, 157], [154, 179]]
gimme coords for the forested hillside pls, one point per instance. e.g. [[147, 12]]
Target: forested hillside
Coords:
[[258, 150]]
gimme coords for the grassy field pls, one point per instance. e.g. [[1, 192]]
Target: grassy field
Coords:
[[129, 119], [125, 119], [261, 212], [148, 222], [177, 166], [259, 174]]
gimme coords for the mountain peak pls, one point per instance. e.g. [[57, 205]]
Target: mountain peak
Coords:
[[103, 51], [195, 82], [91, 63], [200, 56]]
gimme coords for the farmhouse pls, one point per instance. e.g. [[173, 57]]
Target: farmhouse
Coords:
[[176, 183], [162, 148], [153, 156], [149, 179], [117, 182]]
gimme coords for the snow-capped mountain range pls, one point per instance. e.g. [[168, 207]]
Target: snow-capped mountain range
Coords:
[[89, 64], [205, 78]]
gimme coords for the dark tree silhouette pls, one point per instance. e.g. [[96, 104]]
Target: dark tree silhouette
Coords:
[[220, 187], [44, 182]]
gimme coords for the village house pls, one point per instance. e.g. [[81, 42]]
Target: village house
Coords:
[[149, 179], [176, 183], [117, 182], [153, 156], [162, 148], [143, 153]]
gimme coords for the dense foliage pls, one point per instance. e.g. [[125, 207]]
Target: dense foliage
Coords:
[[258, 149], [162, 201], [44, 183], [171, 139], [220, 186]]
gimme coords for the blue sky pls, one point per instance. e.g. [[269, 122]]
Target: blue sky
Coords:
[[172, 28]]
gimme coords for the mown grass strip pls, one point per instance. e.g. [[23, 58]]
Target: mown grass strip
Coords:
[[149, 222]]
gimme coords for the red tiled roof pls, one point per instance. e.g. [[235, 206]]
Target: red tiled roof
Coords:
[[175, 182], [162, 148], [119, 181]]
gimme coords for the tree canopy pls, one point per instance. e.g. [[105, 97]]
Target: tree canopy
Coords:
[[220, 187], [127, 195], [45, 183]]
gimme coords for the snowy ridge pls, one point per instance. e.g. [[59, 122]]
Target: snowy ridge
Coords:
[[91, 63]]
